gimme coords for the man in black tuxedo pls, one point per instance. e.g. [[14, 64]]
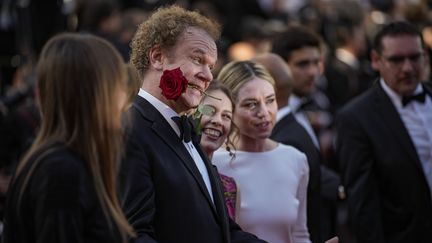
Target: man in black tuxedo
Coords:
[[302, 54], [170, 191], [384, 144]]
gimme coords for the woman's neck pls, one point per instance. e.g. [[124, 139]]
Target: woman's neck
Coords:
[[255, 145]]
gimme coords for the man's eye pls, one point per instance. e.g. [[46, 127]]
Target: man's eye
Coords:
[[302, 64], [251, 105], [396, 60], [415, 58], [197, 59], [271, 100]]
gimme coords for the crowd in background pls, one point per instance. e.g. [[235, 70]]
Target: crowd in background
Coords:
[[346, 28]]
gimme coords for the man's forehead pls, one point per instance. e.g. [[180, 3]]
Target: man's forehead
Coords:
[[307, 52], [399, 43], [198, 36], [199, 44]]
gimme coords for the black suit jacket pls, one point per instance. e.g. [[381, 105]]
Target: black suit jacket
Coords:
[[346, 82], [289, 131], [163, 194], [388, 196]]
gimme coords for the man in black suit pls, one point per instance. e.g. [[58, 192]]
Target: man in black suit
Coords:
[[384, 144], [288, 131], [302, 54], [347, 70], [170, 191]]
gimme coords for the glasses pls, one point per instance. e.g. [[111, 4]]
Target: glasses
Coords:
[[398, 61]]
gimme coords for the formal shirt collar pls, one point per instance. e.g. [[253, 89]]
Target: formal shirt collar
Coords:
[[416, 118], [294, 102], [166, 111], [395, 97], [282, 112], [347, 57]]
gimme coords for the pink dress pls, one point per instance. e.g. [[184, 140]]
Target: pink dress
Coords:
[[230, 194]]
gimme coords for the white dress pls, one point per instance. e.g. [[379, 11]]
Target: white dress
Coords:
[[272, 187]]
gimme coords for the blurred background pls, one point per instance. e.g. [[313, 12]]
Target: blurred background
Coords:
[[248, 28]]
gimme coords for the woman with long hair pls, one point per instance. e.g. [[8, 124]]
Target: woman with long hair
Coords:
[[272, 177], [64, 188]]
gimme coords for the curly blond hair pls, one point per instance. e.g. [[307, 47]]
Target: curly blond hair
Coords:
[[163, 28]]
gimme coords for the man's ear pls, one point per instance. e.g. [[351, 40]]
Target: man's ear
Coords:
[[156, 57], [321, 65], [375, 60]]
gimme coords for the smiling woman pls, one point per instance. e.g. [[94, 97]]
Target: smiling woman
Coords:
[[260, 164], [216, 127]]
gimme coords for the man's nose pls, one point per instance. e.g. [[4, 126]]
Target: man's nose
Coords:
[[205, 75], [407, 65]]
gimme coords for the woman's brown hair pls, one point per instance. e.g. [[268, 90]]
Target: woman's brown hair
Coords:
[[78, 79], [229, 143]]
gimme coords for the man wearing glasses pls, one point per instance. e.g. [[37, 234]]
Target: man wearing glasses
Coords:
[[384, 144]]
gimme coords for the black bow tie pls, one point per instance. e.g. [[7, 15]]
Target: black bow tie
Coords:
[[420, 97], [308, 104], [187, 132]]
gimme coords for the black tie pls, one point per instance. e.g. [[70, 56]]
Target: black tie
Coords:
[[420, 97], [308, 104], [186, 128]]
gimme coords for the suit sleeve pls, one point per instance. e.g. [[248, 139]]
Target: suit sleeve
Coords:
[[330, 182], [357, 161], [240, 236], [137, 190]]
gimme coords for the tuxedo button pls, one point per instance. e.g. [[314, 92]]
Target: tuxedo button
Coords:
[[341, 192]]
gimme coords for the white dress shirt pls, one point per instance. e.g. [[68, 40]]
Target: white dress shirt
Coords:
[[417, 118], [167, 113], [282, 112], [294, 103]]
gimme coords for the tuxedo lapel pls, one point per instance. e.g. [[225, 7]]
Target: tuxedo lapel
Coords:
[[428, 90], [162, 128], [287, 119], [393, 120], [218, 197]]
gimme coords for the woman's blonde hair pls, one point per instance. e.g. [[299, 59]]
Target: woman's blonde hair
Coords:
[[236, 73], [233, 76], [78, 78]]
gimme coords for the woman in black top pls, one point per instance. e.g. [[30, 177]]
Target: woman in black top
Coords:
[[64, 189]]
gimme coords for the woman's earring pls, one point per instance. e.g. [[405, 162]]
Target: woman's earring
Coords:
[[228, 148]]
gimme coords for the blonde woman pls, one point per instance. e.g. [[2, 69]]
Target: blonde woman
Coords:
[[64, 189], [272, 178]]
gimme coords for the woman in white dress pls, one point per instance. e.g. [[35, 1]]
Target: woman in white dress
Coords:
[[271, 177]]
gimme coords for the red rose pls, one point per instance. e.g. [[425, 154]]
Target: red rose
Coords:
[[173, 83]]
